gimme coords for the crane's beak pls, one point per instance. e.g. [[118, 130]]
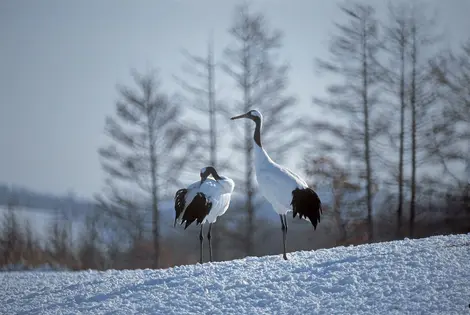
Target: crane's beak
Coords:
[[239, 116]]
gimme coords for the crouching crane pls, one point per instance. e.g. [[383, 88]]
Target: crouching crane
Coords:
[[285, 190], [204, 201]]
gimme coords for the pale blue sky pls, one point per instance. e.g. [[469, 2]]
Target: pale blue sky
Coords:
[[60, 62]]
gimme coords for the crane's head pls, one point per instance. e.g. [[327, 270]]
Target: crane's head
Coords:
[[206, 171], [253, 114]]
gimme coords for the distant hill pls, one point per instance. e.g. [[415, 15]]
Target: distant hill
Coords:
[[23, 197]]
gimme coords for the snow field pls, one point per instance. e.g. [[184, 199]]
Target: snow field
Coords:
[[423, 276]]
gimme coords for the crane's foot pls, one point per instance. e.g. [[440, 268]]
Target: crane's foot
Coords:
[[284, 256]]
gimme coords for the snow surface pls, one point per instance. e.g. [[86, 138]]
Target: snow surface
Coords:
[[424, 276]]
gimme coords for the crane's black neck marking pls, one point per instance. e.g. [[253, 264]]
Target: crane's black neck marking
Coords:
[[211, 170], [257, 134]]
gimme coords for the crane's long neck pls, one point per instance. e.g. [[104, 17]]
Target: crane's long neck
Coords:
[[215, 174], [261, 156]]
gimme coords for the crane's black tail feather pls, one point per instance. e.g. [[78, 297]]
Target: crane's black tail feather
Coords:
[[306, 203]]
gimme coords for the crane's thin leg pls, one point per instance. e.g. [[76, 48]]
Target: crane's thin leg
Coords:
[[201, 238], [210, 244], [284, 234]]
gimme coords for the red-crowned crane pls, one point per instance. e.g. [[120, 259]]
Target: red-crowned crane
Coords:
[[204, 201], [285, 190]]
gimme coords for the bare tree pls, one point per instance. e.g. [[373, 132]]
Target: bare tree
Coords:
[[31, 245], [204, 102], [354, 53], [329, 173], [11, 238], [421, 95], [122, 213], [397, 38], [203, 91], [18, 242], [59, 245], [89, 252], [451, 77], [251, 62], [147, 138], [409, 40]]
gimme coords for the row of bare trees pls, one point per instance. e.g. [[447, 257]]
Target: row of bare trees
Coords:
[[22, 246], [396, 118], [393, 121]]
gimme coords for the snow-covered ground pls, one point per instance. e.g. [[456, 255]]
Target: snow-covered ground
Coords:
[[425, 276]]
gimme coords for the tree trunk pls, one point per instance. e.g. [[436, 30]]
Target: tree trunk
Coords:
[[413, 129], [402, 136], [248, 157], [338, 197], [212, 110], [365, 100], [213, 136], [155, 214]]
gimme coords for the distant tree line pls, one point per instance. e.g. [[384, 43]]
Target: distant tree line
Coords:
[[389, 153]]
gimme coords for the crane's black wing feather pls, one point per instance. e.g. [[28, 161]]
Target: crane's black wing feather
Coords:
[[179, 202], [197, 210]]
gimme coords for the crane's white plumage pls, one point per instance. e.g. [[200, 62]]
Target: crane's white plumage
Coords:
[[285, 190], [276, 182], [217, 195], [204, 201]]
